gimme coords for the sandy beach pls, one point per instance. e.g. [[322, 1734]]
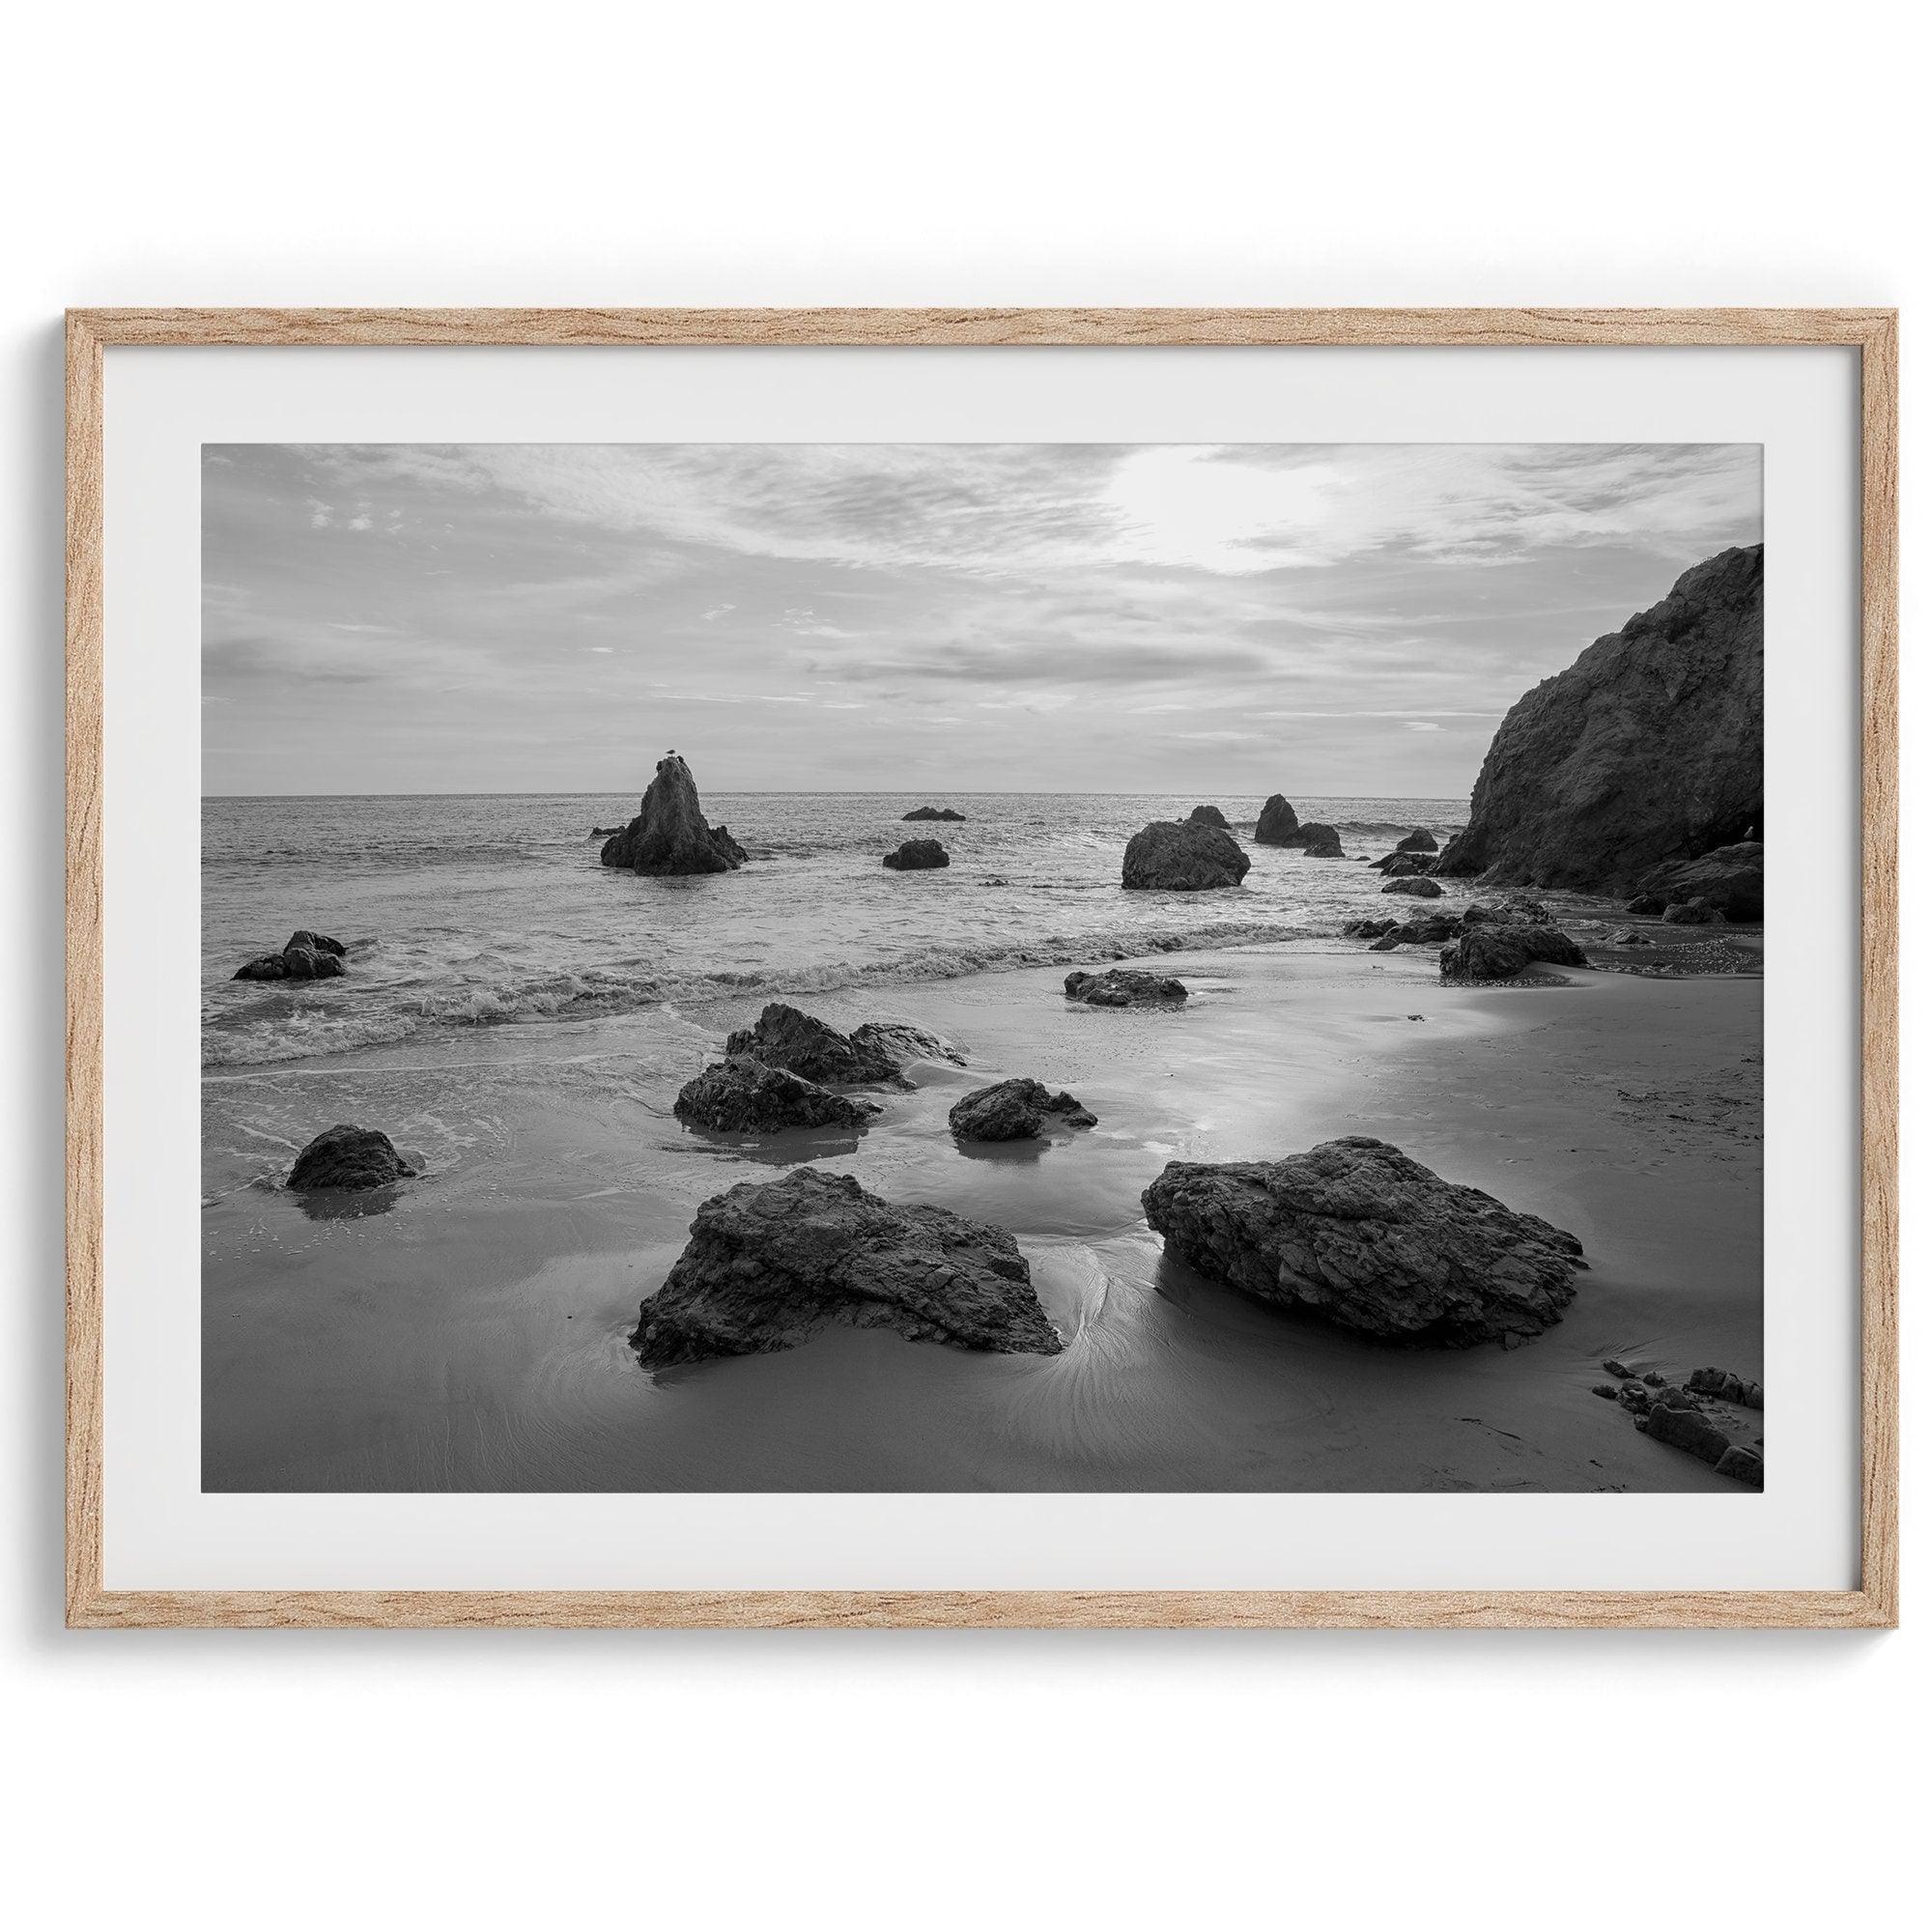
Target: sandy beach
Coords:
[[471, 1334]]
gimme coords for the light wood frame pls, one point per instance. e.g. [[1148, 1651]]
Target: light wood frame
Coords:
[[1872, 333]]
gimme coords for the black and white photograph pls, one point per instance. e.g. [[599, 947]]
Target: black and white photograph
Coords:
[[982, 967]]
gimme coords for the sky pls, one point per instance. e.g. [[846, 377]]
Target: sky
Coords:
[[1332, 620]]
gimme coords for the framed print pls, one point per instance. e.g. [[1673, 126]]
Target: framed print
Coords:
[[1226, 967]]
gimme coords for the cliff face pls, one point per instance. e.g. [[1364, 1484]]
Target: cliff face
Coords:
[[669, 835], [1650, 748]]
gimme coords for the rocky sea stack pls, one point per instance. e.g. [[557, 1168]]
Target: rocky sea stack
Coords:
[[770, 1265], [1277, 825], [347, 1157], [1172, 857], [1357, 1233], [918, 855], [1648, 751], [669, 837]]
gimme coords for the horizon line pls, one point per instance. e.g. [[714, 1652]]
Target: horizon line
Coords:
[[813, 791]]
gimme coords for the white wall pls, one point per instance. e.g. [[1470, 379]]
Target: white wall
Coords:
[[409, 153]]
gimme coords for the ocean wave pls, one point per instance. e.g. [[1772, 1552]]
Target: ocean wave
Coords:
[[309, 1032]]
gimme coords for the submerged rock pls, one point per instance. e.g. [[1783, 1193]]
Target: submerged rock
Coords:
[[1649, 749], [347, 1157], [1176, 857], [1209, 815], [918, 855], [1415, 888], [1277, 825], [933, 811], [1488, 953], [1417, 841], [1357, 1233], [804, 1045], [1015, 1110], [305, 955], [742, 1096], [669, 837], [770, 1265], [1123, 987]]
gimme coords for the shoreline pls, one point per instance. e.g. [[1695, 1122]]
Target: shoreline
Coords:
[[482, 1342]]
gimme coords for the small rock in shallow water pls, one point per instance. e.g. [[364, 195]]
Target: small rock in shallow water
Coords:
[[1123, 987], [349, 1157], [918, 855], [1015, 1110], [770, 1265], [742, 1096], [1415, 888], [804, 1045]]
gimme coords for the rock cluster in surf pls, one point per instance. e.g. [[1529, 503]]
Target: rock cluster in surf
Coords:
[[770, 1265], [306, 956], [1358, 1233]]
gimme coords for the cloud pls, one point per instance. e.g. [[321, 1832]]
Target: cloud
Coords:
[[1419, 724]]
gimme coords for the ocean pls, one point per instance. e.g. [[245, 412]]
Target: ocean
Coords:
[[466, 912]]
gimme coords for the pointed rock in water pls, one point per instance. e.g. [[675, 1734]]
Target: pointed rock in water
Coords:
[[934, 811], [1357, 1233], [804, 1045], [770, 1265], [1417, 841], [1123, 987], [669, 837], [918, 855], [1209, 815], [1277, 825], [1176, 857], [1503, 952], [1649, 749], [1414, 887], [347, 1156], [742, 1096], [1015, 1110]]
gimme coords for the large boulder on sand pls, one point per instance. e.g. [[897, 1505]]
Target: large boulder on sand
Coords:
[[770, 1265], [742, 1096], [1182, 858], [1503, 950], [804, 1045], [347, 1157], [918, 855], [1209, 815], [1729, 880], [1650, 748], [669, 837], [1357, 1233], [1414, 887], [1123, 987], [1277, 825], [1014, 1110]]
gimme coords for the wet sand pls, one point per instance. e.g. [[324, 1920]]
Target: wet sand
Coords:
[[469, 1332]]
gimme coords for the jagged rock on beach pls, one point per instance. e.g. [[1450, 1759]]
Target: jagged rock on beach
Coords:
[[1209, 815], [1123, 986], [1730, 880], [1182, 858], [1725, 1387], [1277, 824], [1355, 1231], [742, 1096], [1742, 1465], [669, 837], [933, 811], [1417, 841], [770, 1265], [347, 1157], [1649, 749], [1015, 1110], [1503, 952], [918, 855], [1415, 888], [1515, 910], [305, 955], [804, 1045]]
